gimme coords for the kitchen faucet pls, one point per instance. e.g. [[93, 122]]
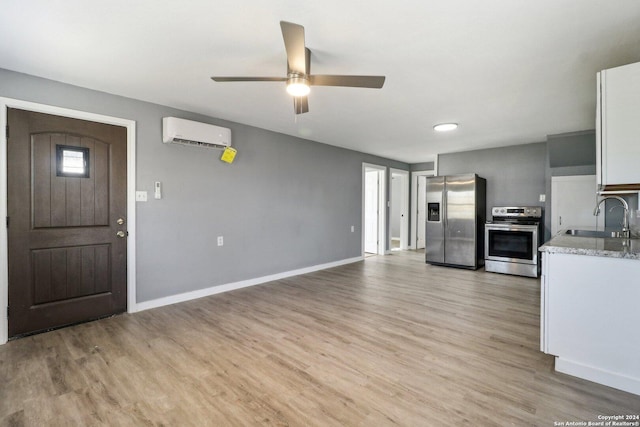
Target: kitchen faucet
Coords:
[[625, 221]]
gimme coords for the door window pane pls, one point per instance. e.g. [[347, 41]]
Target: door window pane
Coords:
[[72, 161]]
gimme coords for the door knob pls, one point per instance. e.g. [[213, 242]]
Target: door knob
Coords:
[[120, 221], [121, 234]]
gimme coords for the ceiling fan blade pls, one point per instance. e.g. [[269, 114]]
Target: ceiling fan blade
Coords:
[[300, 104], [293, 35], [374, 82], [249, 79]]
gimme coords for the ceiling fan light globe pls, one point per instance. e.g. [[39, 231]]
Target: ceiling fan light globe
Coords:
[[298, 89], [298, 86]]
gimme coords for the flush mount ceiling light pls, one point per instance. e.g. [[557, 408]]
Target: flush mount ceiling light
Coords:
[[298, 86], [445, 127]]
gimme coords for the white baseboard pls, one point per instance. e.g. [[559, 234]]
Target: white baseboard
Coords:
[[187, 296], [600, 376]]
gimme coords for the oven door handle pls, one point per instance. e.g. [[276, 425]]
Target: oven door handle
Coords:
[[511, 227]]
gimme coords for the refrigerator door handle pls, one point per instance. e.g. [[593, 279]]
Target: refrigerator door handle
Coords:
[[445, 211]]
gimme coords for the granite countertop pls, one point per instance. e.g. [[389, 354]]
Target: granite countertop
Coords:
[[593, 246]]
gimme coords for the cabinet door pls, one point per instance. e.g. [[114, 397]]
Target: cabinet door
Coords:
[[620, 127], [591, 312]]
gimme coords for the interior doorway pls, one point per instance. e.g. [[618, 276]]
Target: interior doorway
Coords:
[[373, 209], [418, 207], [399, 210], [421, 212]]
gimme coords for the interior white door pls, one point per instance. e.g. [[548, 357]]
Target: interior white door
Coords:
[[421, 211], [403, 201], [394, 211], [397, 213], [371, 211], [573, 199]]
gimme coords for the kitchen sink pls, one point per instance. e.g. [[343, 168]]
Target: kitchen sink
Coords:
[[594, 233]]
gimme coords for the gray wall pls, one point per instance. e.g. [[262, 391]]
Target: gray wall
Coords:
[[515, 175], [426, 166], [284, 204], [572, 150]]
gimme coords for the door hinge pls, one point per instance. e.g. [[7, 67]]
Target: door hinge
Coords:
[[7, 131], [7, 222], [7, 311]]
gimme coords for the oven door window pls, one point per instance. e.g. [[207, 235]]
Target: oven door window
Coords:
[[511, 244]]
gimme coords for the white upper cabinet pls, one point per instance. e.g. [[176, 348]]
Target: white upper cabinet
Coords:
[[618, 126]]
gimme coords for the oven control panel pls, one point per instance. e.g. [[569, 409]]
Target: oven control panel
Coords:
[[517, 211]]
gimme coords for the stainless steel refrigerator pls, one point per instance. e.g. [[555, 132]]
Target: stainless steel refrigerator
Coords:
[[455, 220]]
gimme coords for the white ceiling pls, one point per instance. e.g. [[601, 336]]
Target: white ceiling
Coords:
[[509, 71]]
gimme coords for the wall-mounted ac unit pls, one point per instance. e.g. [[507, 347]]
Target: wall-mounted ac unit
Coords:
[[188, 132]]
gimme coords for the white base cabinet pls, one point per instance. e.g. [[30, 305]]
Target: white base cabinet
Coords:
[[590, 317]]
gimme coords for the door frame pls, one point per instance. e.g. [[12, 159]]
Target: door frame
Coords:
[[404, 207], [414, 201], [382, 206], [130, 125]]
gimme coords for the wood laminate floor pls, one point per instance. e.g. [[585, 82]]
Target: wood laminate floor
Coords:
[[386, 341]]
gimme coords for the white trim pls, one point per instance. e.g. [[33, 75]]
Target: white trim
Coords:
[[414, 201], [597, 375], [131, 204], [404, 208], [382, 207], [187, 296]]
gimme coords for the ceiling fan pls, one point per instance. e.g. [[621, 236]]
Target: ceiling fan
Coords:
[[299, 77]]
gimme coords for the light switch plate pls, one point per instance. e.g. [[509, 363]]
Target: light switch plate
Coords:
[[220, 240], [543, 197], [141, 196]]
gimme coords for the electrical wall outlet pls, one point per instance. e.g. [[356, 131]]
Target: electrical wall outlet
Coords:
[[543, 197], [220, 240], [141, 196]]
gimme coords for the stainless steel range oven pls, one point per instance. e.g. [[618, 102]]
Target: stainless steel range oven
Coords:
[[512, 239]]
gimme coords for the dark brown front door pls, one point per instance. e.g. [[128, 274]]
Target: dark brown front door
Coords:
[[67, 185]]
